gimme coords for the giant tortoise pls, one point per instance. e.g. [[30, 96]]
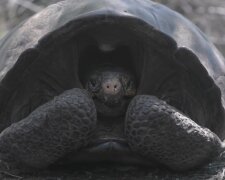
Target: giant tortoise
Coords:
[[129, 82]]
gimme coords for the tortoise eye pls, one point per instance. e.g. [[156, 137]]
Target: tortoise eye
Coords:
[[93, 82], [93, 85], [129, 84]]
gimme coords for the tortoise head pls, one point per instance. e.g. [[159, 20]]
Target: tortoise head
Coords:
[[112, 89]]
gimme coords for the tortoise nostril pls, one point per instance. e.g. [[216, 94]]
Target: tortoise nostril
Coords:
[[112, 87]]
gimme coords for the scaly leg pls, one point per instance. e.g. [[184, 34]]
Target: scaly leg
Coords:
[[161, 133], [49, 132]]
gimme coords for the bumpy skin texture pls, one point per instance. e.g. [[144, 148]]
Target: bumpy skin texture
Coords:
[[161, 133], [52, 130]]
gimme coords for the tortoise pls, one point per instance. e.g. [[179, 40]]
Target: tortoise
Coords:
[[130, 82]]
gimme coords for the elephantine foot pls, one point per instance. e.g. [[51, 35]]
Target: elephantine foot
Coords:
[[49, 132], [162, 134]]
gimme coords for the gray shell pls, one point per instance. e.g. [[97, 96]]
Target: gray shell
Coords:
[[166, 28]]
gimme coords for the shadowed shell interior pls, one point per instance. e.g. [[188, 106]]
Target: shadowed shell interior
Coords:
[[63, 57]]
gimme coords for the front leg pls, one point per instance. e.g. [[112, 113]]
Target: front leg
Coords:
[[161, 133], [49, 132]]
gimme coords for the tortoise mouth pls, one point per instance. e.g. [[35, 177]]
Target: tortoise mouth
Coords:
[[112, 109]]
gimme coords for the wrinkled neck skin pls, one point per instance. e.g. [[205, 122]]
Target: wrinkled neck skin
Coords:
[[111, 88]]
